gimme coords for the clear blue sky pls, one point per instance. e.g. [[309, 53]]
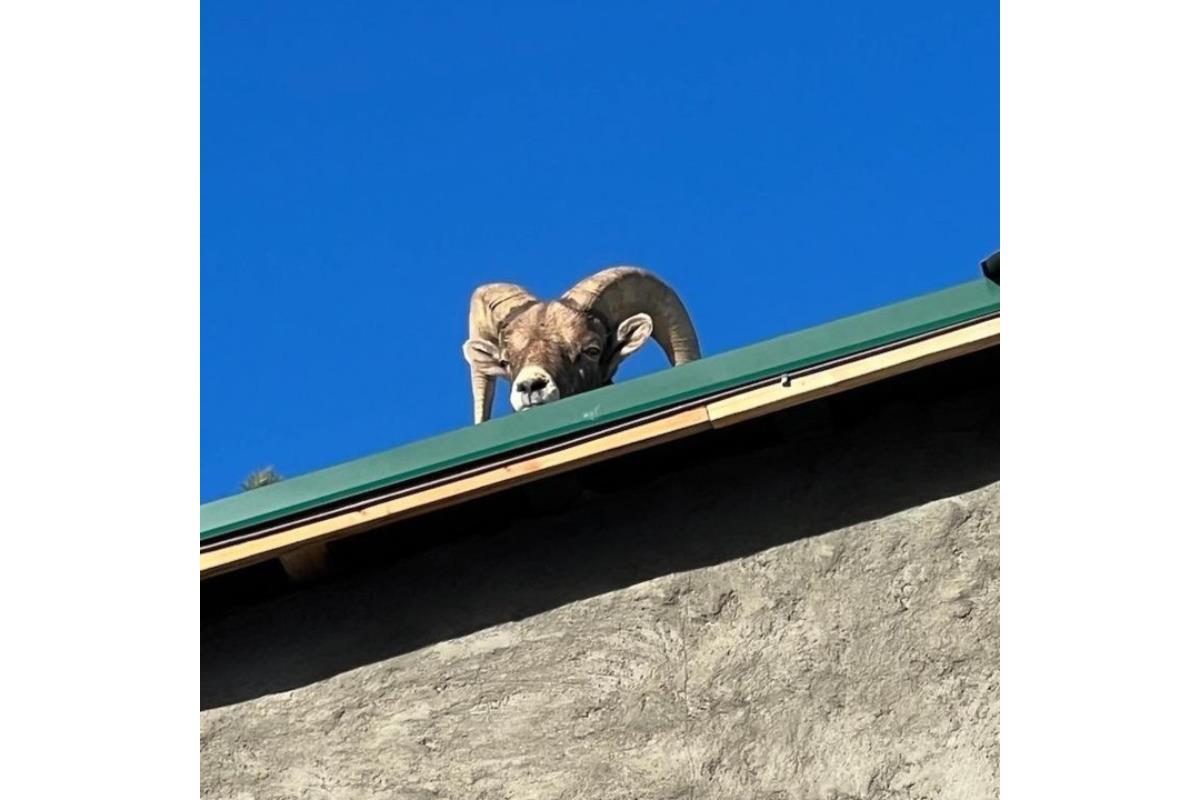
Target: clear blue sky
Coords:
[[365, 165]]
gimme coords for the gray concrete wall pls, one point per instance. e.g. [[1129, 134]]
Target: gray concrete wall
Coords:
[[807, 607]]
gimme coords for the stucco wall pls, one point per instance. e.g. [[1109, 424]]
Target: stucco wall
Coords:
[[807, 607]]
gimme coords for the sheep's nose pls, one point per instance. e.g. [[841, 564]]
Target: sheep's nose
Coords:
[[531, 385]]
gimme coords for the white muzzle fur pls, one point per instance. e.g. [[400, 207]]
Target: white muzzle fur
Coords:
[[533, 386]]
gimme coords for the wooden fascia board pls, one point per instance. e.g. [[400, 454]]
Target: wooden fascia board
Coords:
[[843, 377], [421, 501]]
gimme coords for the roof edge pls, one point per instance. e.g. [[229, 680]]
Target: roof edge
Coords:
[[690, 419], [599, 408]]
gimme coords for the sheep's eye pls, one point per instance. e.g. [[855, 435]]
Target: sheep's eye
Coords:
[[592, 351]]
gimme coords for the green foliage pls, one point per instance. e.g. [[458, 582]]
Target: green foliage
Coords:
[[261, 477]]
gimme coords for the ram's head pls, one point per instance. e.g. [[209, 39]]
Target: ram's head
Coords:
[[557, 348]]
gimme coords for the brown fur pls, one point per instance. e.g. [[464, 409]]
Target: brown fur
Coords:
[[556, 337], [577, 341]]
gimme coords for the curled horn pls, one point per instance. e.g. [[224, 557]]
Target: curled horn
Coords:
[[491, 304], [620, 292]]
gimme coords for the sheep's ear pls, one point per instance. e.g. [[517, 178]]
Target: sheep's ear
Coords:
[[484, 357], [633, 333]]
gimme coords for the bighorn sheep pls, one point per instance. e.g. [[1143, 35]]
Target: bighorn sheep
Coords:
[[557, 348]]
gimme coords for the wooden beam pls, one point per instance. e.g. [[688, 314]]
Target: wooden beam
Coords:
[[664, 429], [842, 377]]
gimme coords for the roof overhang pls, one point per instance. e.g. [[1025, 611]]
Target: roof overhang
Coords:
[[729, 408], [711, 393]]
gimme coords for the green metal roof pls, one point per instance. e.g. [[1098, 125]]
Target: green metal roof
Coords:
[[599, 407]]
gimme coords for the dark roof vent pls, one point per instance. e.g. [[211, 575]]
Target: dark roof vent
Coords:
[[991, 267]]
